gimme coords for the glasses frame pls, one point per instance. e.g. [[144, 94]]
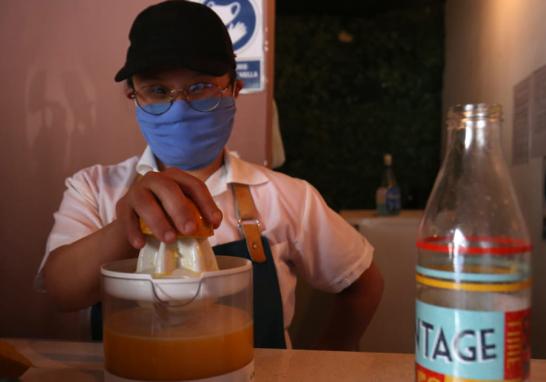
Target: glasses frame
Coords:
[[173, 94]]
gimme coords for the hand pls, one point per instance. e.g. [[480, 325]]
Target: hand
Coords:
[[161, 200]]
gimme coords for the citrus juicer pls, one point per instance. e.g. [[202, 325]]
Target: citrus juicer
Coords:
[[178, 313]]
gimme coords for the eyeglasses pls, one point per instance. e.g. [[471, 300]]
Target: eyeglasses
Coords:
[[158, 99]]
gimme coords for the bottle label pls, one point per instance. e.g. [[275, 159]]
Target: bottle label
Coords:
[[459, 345], [392, 200], [380, 198]]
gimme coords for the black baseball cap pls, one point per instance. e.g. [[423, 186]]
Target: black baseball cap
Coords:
[[178, 33]]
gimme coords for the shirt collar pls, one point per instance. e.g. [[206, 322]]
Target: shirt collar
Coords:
[[234, 170], [146, 162]]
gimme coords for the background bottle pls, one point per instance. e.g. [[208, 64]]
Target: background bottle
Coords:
[[473, 268], [387, 196]]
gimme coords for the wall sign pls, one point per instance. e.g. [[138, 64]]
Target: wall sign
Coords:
[[538, 113], [529, 129], [244, 22], [522, 122]]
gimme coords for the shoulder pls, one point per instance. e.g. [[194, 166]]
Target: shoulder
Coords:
[[284, 181], [99, 176], [281, 194], [262, 178]]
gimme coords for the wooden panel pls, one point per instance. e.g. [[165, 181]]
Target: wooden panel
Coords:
[[251, 136]]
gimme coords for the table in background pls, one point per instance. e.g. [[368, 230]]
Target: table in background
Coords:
[[355, 216], [83, 362]]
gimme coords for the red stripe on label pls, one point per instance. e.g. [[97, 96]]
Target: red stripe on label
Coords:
[[425, 375], [475, 245], [517, 346]]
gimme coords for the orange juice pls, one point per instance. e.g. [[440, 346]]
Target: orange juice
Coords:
[[211, 342]]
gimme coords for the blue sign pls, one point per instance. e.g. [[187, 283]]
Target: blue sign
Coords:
[[239, 17], [250, 72]]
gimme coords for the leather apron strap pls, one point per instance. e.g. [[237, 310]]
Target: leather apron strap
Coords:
[[248, 221]]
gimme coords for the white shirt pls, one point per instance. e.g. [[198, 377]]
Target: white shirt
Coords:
[[306, 236]]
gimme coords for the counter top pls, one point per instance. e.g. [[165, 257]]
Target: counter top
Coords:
[[357, 215], [83, 361]]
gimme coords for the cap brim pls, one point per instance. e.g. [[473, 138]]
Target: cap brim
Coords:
[[207, 66]]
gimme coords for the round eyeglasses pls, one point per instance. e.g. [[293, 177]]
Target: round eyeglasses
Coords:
[[158, 99]]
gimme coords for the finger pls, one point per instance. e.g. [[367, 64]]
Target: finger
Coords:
[[132, 227], [128, 219], [146, 207], [181, 212], [198, 192]]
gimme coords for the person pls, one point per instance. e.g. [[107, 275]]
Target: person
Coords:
[[180, 73]]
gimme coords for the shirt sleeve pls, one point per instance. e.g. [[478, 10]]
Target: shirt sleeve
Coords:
[[76, 218], [331, 254]]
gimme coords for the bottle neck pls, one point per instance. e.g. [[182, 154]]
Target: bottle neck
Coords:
[[477, 137], [388, 180], [475, 129]]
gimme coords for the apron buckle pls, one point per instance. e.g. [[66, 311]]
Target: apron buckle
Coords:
[[251, 230], [241, 222]]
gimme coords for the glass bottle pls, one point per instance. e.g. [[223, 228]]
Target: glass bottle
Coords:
[[473, 267], [387, 196]]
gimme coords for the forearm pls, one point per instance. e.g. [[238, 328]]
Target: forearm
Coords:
[[72, 272], [352, 312]]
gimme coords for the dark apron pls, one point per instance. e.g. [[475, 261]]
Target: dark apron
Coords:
[[268, 312]]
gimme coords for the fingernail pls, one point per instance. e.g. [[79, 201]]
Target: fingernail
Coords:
[[217, 216], [138, 243], [189, 227], [169, 236]]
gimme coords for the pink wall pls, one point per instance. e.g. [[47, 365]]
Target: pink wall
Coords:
[[60, 111]]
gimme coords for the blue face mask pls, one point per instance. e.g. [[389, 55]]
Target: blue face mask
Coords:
[[186, 138]]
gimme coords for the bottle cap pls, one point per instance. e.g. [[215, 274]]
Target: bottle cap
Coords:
[[387, 159]]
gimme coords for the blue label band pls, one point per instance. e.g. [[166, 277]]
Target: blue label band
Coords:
[[469, 276], [474, 345], [460, 343]]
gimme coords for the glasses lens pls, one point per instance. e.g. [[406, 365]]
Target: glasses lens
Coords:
[[205, 104], [154, 99], [204, 96], [155, 108]]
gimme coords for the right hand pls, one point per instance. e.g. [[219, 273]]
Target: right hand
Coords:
[[161, 200]]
